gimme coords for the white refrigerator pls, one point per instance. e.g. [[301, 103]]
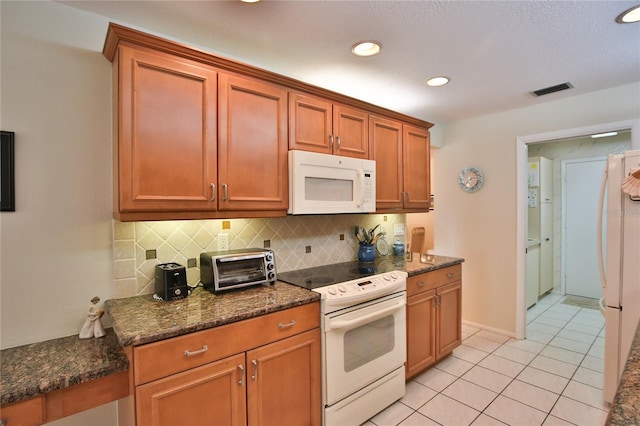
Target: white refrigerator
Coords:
[[619, 248]]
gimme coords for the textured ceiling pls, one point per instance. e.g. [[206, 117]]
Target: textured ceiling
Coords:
[[496, 52]]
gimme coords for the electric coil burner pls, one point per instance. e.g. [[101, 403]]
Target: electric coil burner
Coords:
[[363, 309]]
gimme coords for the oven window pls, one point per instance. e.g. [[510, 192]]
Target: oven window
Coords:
[[368, 342], [323, 189], [241, 271]]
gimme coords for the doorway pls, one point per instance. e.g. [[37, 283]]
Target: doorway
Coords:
[[580, 204], [524, 145]]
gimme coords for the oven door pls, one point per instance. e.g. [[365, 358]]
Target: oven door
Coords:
[[362, 344]]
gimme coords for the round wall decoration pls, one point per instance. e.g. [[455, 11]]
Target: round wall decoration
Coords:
[[471, 179]]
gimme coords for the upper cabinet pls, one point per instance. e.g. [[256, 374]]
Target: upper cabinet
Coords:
[[165, 153], [318, 125], [402, 159], [252, 145], [199, 136]]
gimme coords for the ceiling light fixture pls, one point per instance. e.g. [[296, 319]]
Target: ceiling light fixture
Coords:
[[629, 16], [249, 1], [604, 135], [366, 48], [437, 81]]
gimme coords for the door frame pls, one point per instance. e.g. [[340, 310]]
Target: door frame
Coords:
[[563, 217], [521, 193]]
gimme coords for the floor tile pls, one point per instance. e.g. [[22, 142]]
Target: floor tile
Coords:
[[577, 412], [538, 336], [585, 394], [435, 379], [447, 411], [526, 345], [454, 366], [469, 354], [554, 366], [577, 336], [586, 329], [393, 415], [484, 420], [543, 379], [514, 354], [589, 377], [470, 394], [514, 413], [543, 328], [555, 421], [571, 357], [571, 345], [469, 329], [417, 394], [561, 315], [481, 343], [417, 419], [487, 379], [502, 365], [596, 351], [550, 321], [593, 363], [494, 337], [530, 395]]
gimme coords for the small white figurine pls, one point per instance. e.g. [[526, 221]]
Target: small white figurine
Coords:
[[92, 326]]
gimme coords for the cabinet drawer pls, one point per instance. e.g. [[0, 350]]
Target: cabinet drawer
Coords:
[[430, 280], [26, 413], [170, 356]]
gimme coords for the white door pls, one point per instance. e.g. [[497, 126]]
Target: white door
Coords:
[[581, 188]]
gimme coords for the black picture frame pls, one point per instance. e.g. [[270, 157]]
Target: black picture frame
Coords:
[[7, 172]]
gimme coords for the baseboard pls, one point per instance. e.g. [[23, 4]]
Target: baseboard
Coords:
[[491, 329]]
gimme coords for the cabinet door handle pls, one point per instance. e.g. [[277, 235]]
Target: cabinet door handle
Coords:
[[331, 141], [241, 370], [338, 142], [421, 283], [213, 192], [187, 352], [255, 369], [438, 300], [225, 192], [291, 324]]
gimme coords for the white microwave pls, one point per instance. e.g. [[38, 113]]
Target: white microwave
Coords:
[[325, 184]]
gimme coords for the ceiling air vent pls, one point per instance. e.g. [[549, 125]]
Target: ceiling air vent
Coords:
[[552, 89]]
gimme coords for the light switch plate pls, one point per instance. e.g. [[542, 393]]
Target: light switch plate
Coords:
[[223, 242], [398, 229]]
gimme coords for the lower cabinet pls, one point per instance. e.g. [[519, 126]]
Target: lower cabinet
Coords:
[[274, 381], [434, 320]]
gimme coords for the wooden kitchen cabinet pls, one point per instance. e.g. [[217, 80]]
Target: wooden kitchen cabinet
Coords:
[[434, 320], [402, 155], [252, 147], [260, 371], [165, 153], [319, 125], [31, 412]]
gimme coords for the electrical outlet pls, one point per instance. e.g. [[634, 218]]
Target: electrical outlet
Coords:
[[398, 229], [223, 242]]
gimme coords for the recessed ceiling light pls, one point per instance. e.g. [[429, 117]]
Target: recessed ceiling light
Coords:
[[366, 48], [437, 81], [249, 1], [629, 16], [604, 135]]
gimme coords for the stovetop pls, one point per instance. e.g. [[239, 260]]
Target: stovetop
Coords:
[[321, 276]]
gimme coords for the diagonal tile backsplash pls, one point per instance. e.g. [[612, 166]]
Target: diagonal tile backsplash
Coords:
[[289, 237]]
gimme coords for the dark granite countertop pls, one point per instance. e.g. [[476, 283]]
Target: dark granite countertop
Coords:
[[29, 370], [415, 266], [625, 409], [141, 319]]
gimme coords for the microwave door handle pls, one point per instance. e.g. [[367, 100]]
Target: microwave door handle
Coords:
[[360, 195]]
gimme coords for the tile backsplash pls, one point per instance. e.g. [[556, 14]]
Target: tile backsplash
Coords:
[[289, 237]]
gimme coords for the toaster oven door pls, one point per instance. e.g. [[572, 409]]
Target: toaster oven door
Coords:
[[239, 272]]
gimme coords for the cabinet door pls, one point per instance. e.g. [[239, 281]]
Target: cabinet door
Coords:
[[385, 146], [449, 334], [421, 332], [252, 149], [284, 383], [166, 151], [351, 132], [209, 395], [310, 123], [416, 157]]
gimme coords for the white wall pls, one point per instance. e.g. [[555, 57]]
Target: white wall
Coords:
[[481, 227]]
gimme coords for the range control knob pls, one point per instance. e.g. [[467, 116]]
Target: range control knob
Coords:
[[394, 275], [332, 291], [342, 288], [386, 277]]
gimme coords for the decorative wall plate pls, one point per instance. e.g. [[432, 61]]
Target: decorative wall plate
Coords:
[[471, 179], [382, 246]]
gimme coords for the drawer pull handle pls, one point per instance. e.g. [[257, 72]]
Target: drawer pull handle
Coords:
[[450, 275], [255, 369], [203, 350], [241, 368], [421, 284], [291, 324]]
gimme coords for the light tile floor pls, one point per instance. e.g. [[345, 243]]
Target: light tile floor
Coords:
[[553, 377]]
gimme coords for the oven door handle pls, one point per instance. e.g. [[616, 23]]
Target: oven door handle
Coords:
[[338, 324]]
